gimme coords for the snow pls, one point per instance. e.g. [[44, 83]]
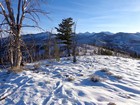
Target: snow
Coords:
[[49, 84]]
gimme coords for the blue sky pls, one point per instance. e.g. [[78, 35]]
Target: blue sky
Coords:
[[94, 15]]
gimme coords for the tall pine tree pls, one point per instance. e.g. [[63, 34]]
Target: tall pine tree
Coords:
[[65, 33]]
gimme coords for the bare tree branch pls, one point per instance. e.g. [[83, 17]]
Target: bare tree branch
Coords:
[[4, 13], [18, 13], [3, 24], [23, 11], [33, 26], [32, 19], [10, 10]]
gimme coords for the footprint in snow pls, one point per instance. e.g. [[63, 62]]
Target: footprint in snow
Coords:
[[80, 93], [88, 103], [57, 85], [41, 84], [69, 93]]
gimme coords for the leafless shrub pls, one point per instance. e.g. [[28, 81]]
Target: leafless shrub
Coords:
[[112, 74], [95, 78], [109, 73], [47, 65], [104, 70], [70, 78], [36, 66], [118, 76], [111, 103], [81, 74]]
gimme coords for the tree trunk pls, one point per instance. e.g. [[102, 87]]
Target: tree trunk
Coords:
[[17, 54], [11, 49], [68, 51], [74, 54], [11, 55]]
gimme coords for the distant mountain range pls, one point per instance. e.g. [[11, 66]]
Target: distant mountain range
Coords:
[[127, 42]]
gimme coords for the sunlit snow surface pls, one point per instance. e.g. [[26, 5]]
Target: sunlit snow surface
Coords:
[[49, 85]]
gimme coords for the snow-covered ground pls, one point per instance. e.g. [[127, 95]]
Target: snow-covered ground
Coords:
[[65, 83]]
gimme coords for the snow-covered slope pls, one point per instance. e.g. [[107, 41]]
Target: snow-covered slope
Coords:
[[65, 83]]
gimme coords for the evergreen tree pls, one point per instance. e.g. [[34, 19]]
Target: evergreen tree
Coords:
[[65, 33]]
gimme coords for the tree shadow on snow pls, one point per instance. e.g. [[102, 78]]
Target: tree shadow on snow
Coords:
[[128, 89]]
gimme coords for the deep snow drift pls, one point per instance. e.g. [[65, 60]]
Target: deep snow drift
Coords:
[[65, 83]]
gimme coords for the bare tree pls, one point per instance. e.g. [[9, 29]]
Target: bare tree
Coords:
[[14, 12]]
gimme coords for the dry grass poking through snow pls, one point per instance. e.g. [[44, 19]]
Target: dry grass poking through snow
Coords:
[[111, 103], [104, 70], [70, 79], [95, 78], [37, 66], [16, 70], [109, 73]]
